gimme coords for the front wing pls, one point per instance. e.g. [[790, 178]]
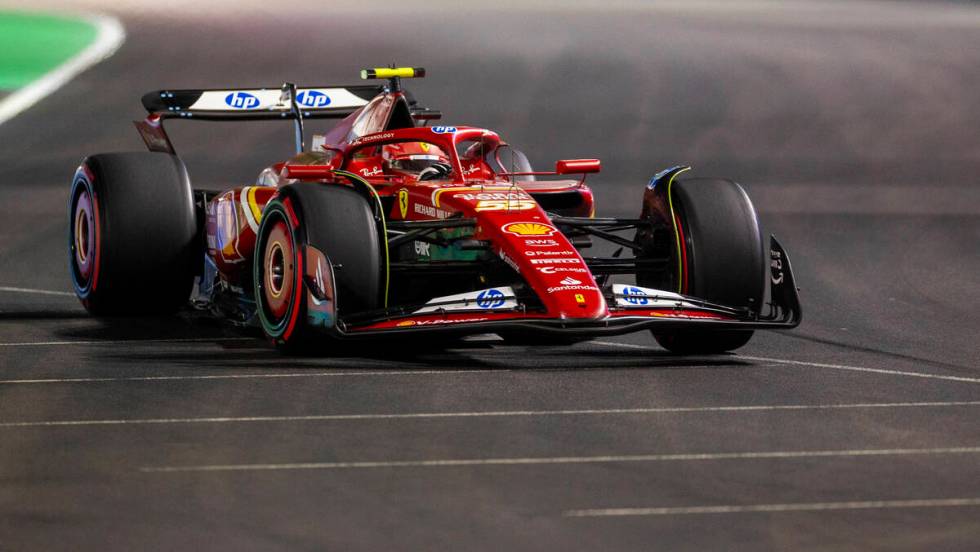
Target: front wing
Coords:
[[782, 311]]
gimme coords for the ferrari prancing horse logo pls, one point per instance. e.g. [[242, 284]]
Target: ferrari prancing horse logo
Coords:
[[403, 202]]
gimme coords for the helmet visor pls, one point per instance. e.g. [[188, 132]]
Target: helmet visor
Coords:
[[415, 163]]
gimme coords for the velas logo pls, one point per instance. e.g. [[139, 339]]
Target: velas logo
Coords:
[[569, 281], [528, 229], [312, 98], [443, 129], [241, 100], [490, 299]]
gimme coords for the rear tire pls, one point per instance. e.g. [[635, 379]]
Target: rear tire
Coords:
[[340, 223], [132, 235], [724, 254]]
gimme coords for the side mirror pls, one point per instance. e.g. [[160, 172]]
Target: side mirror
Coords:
[[577, 166]]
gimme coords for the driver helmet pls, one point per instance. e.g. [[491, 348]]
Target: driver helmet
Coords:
[[412, 157]]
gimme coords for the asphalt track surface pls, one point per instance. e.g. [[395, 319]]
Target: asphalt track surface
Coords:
[[854, 127]]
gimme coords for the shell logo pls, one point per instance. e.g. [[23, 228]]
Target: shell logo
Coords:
[[528, 229]]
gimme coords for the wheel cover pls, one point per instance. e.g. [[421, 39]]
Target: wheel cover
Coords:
[[277, 270], [83, 236]]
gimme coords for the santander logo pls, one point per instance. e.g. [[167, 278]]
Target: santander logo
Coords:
[[571, 284]]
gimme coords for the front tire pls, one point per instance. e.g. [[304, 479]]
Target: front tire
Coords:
[[721, 259], [132, 234], [335, 220]]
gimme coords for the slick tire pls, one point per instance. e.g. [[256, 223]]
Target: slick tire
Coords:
[[132, 235], [339, 222], [722, 259]]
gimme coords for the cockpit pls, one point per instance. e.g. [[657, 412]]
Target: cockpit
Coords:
[[409, 160]]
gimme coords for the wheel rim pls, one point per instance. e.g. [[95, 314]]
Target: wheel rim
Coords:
[[83, 239], [275, 269], [277, 272]]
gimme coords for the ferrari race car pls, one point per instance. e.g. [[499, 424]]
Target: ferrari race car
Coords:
[[390, 225]]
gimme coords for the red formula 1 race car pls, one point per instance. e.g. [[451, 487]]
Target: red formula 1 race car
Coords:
[[389, 226]]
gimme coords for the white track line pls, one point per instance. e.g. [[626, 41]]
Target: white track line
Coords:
[[792, 507], [562, 460], [269, 375], [109, 36], [819, 365], [35, 291], [486, 414], [124, 342], [864, 369]]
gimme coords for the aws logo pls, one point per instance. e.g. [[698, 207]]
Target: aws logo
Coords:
[[241, 100], [312, 98]]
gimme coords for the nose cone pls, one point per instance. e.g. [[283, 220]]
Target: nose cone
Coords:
[[523, 236], [549, 264]]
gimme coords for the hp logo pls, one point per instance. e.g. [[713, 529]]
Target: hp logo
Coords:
[[241, 100], [490, 299], [635, 296], [312, 98]]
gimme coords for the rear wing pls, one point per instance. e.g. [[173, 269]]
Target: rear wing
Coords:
[[263, 104], [249, 104], [322, 102]]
